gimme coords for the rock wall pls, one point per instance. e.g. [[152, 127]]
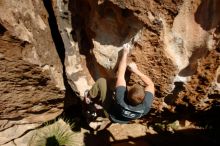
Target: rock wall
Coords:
[[192, 43], [94, 33], [171, 42], [31, 78]]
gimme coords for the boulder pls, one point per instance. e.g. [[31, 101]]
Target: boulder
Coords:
[[31, 80], [171, 42]]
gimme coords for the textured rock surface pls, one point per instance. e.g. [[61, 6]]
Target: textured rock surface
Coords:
[[17, 134], [95, 31], [31, 80], [172, 39]]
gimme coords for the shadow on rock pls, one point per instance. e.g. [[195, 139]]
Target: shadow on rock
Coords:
[[101, 138]]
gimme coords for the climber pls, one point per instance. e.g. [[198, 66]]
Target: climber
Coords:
[[126, 105]]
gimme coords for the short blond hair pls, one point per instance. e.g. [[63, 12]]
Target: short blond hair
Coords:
[[136, 95]]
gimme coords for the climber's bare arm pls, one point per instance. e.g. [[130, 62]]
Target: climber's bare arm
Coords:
[[148, 82], [122, 68]]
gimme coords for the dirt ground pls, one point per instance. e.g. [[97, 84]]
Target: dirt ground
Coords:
[[180, 128]]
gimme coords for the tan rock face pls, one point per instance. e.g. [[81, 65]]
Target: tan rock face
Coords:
[[97, 31], [171, 39], [31, 81]]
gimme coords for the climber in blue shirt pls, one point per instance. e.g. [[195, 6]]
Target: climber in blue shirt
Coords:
[[133, 103], [127, 104]]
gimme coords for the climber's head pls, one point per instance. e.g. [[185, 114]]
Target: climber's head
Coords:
[[136, 95]]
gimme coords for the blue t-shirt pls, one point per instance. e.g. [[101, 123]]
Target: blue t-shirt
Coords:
[[121, 112]]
